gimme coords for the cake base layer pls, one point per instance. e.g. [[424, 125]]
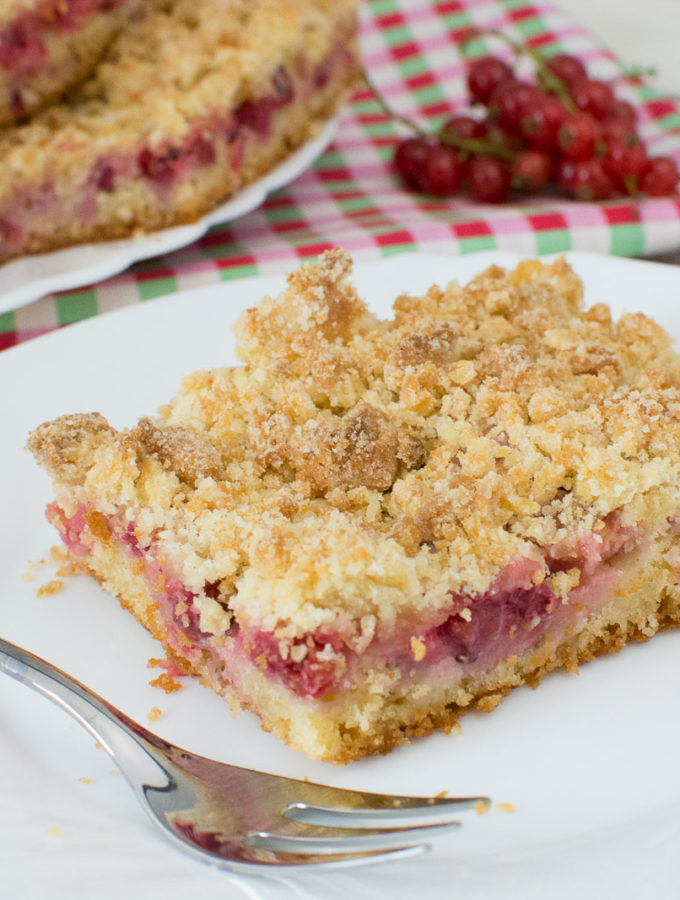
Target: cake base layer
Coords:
[[347, 725]]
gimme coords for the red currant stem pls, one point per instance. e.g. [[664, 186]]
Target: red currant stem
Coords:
[[546, 79], [387, 109], [472, 145], [632, 73], [475, 145], [631, 184]]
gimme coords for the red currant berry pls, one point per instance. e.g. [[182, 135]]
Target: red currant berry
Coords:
[[409, 160], [104, 177], [594, 97], [577, 137], [589, 181], [160, 167], [511, 102], [484, 76], [489, 179], [564, 176], [623, 161], [531, 170], [568, 69], [200, 151], [496, 134], [659, 177], [542, 121], [464, 127], [443, 172], [615, 130], [624, 113]]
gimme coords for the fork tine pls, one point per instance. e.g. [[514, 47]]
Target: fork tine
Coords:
[[428, 810], [390, 839], [327, 861]]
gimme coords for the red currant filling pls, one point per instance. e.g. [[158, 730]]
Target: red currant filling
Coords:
[[496, 615], [19, 48], [165, 165], [478, 631], [10, 236], [257, 114], [70, 528], [323, 663]]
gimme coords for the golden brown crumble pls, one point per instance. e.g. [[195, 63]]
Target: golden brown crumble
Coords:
[[154, 714], [356, 450], [505, 807], [166, 682], [179, 449], [352, 465], [50, 588], [67, 446]]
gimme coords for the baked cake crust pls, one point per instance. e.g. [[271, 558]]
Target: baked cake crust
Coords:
[[48, 46], [372, 526], [193, 100]]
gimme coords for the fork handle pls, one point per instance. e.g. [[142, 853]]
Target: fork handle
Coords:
[[126, 742]]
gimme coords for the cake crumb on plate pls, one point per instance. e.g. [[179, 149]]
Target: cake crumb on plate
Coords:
[[166, 682], [50, 588], [506, 807]]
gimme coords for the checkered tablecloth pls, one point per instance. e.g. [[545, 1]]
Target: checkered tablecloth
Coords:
[[351, 198]]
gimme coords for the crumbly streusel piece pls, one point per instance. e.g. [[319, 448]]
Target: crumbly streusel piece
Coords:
[[193, 100], [370, 526], [47, 46]]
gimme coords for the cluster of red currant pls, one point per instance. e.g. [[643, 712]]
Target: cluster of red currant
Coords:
[[565, 130]]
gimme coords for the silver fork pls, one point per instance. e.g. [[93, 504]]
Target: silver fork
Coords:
[[236, 818]]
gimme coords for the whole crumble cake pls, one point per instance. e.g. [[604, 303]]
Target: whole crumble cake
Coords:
[[47, 46], [192, 101], [372, 526]]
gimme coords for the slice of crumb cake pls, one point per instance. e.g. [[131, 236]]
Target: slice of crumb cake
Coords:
[[47, 46], [194, 100], [372, 526]]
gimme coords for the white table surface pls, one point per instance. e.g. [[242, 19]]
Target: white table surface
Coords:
[[641, 33]]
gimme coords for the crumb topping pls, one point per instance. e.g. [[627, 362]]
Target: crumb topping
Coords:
[[65, 447], [350, 451], [179, 449], [353, 472]]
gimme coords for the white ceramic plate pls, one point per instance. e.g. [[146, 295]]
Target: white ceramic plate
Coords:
[[31, 277], [590, 762]]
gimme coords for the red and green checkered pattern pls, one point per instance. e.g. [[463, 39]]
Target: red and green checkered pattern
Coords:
[[351, 198]]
